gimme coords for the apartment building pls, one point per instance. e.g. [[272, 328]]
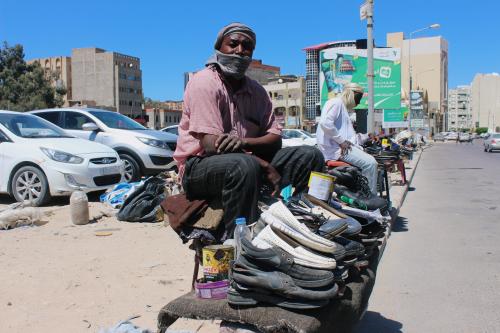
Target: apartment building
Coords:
[[108, 79]]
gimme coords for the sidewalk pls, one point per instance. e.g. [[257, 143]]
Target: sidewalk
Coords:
[[398, 194]]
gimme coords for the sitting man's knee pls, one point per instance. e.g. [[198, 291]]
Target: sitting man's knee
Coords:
[[312, 154], [244, 166]]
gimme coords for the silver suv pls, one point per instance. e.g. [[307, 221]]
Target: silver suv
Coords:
[[143, 151]]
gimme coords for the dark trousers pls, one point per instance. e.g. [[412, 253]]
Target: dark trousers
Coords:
[[236, 179]]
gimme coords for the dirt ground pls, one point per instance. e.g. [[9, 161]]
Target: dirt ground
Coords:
[[61, 277]]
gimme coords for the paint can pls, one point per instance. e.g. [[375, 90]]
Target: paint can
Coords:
[[320, 185], [216, 260]]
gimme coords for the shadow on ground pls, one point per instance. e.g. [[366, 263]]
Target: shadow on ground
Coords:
[[374, 322], [400, 225]]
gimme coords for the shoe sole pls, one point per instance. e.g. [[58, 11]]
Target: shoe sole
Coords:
[[253, 298]]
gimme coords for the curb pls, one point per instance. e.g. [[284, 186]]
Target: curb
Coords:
[[407, 186]]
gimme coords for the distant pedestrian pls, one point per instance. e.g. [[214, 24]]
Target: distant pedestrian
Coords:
[[458, 138]]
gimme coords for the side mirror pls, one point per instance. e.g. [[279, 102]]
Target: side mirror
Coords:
[[91, 127]]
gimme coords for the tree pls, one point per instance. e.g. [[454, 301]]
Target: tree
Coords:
[[24, 87], [481, 130]]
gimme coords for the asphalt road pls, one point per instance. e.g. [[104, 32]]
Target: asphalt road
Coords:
[[441, 268]]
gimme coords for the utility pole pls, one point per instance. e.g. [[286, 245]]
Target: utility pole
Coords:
[[369, 73]]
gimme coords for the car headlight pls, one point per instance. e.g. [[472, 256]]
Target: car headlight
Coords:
[[154, 143], [61, 156]]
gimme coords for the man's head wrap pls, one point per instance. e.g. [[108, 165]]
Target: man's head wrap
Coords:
[[232, 65], [348, 94], [232, 28]]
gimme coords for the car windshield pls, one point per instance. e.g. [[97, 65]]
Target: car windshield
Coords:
[[496, 136], [173, 130], [116, 120], [30, 126]]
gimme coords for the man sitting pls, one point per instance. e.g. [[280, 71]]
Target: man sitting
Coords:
[[337, 138], [229, 141]]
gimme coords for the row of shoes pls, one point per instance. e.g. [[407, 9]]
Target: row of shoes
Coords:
[[300, 257], [350, 183], [393, 152]]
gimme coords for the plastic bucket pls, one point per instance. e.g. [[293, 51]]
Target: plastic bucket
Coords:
[[211, 290]]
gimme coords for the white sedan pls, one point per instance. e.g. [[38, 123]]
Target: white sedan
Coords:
[[297, 137], [39, 160]]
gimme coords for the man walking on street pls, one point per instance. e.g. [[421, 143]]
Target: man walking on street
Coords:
[[229, 141]]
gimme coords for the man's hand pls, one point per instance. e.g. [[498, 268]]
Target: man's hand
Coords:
[[273, 177], [226, 143], [345, 148]]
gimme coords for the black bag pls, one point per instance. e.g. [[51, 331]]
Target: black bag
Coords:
[[144, 203]]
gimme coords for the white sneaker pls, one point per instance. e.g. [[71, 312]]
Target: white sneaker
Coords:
[[302, 234], [269, 237], [296, 235]]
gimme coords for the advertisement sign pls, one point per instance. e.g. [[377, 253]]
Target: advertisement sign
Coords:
[[417, 108], [340, 66], [396, 118]]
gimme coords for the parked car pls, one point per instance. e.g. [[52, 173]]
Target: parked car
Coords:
[[39, 160], [492, 142], [465, 137], [297, 137], [143, 151], [173, 129], [439, 137], [452, 136]]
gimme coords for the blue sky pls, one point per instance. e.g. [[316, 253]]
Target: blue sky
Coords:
[[172, 37]]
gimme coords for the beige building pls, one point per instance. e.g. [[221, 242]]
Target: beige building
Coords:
[[159, 118], [486, 101], [429, 61], [58, 69], [108, 79], [288, 95], [459, 109]]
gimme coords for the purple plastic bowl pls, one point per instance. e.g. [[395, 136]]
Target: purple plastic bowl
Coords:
[[211, 290]]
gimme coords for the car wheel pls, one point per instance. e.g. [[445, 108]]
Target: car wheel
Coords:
[[132, 170], [30, 184]]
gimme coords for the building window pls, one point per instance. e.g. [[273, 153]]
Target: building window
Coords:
[[130, 103]]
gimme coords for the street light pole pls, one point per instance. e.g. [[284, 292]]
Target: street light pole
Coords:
[[369, 74], [432, 26]]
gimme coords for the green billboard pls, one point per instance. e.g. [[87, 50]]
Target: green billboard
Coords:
[[339, 66], [395, 118]]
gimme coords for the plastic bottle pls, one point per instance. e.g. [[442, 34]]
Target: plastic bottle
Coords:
[[353, 202], [241, 231], [79, 207]]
